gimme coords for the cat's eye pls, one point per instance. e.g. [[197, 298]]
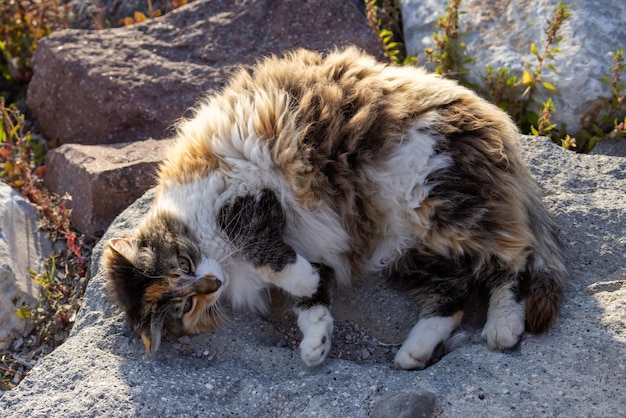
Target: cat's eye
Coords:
[[184, 265]]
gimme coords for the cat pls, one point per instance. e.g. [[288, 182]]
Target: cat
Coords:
[[319, 168]]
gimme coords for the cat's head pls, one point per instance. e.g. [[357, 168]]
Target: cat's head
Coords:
[[162, 281]]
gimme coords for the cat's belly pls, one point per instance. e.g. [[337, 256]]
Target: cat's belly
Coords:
[[402, 189]]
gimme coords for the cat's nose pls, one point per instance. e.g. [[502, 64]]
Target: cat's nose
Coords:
[[207, 284]]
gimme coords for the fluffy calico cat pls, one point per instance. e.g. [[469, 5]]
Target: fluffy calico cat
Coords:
[[316, 168]]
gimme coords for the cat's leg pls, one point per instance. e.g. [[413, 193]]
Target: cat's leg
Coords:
[[441, 302], [315, 321], [298, 278], [423, 338], [255, 225], [505, 317]]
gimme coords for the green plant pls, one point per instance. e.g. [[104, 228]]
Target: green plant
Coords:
[[544, 127], [384, 19], [449, 52], [22, 23], [21, 166], [63, 282], [516, 94], [21, 155], [606, 118], [532, 76]]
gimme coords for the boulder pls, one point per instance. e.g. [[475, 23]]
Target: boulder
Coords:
[[249, 367], [22, 246], [131, 83], [103, 180], [499, 34]]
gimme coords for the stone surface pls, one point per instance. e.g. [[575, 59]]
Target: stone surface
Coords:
[[94, 14], [248, 367], [406, 405], [614, 147], [130, 83], [500, 35], [22, 247], [103, 180]]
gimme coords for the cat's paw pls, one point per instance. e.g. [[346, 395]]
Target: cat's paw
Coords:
[[504, 326], [300, 278], [316, 325], [424, 337]]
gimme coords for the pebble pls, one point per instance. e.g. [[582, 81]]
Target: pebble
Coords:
[[185, 340]]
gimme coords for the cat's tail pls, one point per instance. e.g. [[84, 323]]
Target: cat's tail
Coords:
[[544, 281]]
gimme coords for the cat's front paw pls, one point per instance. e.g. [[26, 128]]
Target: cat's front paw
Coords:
[[504, 327], [316, 325], [300, 278]]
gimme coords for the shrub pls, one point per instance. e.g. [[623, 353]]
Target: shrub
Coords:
[[22, 23]]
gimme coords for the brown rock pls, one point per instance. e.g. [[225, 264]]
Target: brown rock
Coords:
[[102, 179], [115, 85]]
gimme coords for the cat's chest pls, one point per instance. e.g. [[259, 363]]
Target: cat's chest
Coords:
[[243, 286]]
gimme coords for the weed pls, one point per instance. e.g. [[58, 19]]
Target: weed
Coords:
[[52, 319], [21, 166], [22, 23], [517, 94], [606, 118], [384, 18], [544, 127], [532, 77], [21, 159], [449, 52]]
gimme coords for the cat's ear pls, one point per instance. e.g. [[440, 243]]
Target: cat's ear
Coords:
[[152, 337], [126, 247]]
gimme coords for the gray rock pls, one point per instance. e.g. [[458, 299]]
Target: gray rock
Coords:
[[577, 369], [614, 147], [500, 35], [130, 83], [22, 247], [414, 404]]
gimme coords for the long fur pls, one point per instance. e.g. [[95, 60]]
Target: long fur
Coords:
[[378, 170]]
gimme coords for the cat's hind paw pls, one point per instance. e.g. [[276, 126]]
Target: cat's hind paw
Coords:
[[424, 337], [504, 326], [300, 278], [316, 325]]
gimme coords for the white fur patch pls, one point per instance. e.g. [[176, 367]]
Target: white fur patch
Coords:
[[209, 266], [316, 324], [424, 337], [505, 319], [401, 183], [299, 279], [319, 236]]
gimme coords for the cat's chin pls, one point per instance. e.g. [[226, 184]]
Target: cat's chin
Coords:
[[204, 315]]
